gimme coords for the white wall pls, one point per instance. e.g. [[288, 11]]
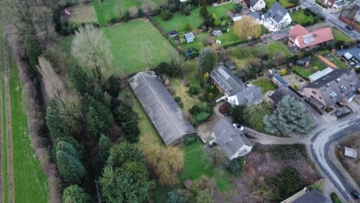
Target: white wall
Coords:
[[258, 6], [242, 151], [285, 21]]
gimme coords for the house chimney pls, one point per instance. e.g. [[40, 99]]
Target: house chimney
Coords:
[[315, 34]]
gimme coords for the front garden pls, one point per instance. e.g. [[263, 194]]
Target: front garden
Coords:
[[304, 17]]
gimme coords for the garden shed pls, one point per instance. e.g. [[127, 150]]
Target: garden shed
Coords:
[[160, 107], [349, 152], [189, 37]]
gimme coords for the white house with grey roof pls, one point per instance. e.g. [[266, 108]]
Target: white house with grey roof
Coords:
[[276, 17], [255, 5], [250, 95], [231, 140], [234, 90]]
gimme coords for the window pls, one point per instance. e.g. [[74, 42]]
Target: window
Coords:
[[320, 97], [313, 92]]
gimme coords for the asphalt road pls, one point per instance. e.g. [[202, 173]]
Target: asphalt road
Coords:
[[332, 18], [320, 143]]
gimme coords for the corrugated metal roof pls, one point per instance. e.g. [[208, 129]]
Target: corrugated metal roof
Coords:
[[161, 108]]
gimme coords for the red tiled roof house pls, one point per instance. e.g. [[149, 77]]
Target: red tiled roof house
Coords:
[[300, 38]]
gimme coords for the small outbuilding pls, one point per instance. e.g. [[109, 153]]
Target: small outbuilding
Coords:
[[189, 37], [349, 152], [173, 33]]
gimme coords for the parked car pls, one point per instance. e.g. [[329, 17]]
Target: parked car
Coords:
[[349, 27], [238, 126], [355, 194]]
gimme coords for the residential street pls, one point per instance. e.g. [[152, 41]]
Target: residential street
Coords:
[[332, 18], [318, 148]]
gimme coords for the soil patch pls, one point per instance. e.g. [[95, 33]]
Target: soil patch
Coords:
[[260, 164], [350, 164]]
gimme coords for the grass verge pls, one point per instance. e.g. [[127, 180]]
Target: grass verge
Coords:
[[300, 17], [339, 36], [30, 183]]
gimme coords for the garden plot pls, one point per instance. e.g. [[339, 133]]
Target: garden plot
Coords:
[[82, 13]]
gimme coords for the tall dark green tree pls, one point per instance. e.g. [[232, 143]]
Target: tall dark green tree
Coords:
[[75, 194], [131, 130], [137, 170], [206, 61], [121, 187], [122, 153], [203, 10], [33, 50], [103, 153], [288, 181], [68, 148], [174, 197], [238, 114], [79, 79], [70, 168], [54, 121]]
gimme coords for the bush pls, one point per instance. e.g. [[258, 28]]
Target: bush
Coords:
[[166, 15], [190, 140], [211, 89], [238, 8], [188, 27], [194, 110], [296, 86], [282, 72], [64, 31], [181, 104], [140, 13], [210, 96], [236, 166], [338, 44], [335, 198], [193, 90], [287, 152], [177, 99], [171, 70], [198, 118]]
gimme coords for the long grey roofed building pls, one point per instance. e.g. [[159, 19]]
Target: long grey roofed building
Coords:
[[228, 82], [161, 108]]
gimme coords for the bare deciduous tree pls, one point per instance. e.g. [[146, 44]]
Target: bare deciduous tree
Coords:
[[91, 49], [146, 54], [133, 12], [247, 28], [29, 17], [166, 162], [148, 6]]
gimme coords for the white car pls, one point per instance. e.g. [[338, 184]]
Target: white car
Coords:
[[238, 126]]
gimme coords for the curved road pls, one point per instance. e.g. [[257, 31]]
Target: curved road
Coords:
[[320, 143]]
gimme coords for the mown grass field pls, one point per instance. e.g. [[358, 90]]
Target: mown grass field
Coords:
[[127, 42], [178, 21], [318, 63], [30, 183], [264, 84], [83, 13]]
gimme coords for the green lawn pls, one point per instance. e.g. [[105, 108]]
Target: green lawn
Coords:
[[197, 43], [284, 3], [257, 117], [318, 63], [30, 182], [111, 8], [83, 13], [264, 84], [337, 62], [127, 41], [278, 46], [179, 20], [302, 71], [300, 17], [338, 35]]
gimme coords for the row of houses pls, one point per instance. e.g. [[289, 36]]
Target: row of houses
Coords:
[[274, 19]]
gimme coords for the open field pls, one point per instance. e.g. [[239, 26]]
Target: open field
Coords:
[[127, 42], [30, 183], [339, 36], [264, 84], [82, 13]]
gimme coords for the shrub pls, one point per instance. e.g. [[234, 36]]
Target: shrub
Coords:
[[338, 44], [237, 8], [188, 27], [181, 104], [166, 15], [194, 110], [296, 86], [287, 152], [126, 16], [190, 140], [193, 90], [177, 99], [133, 11], [64, 31], [282, 72], [236, 166], [211, 89], [198, 118], [140, 13], [335, 198], [210, 96]]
